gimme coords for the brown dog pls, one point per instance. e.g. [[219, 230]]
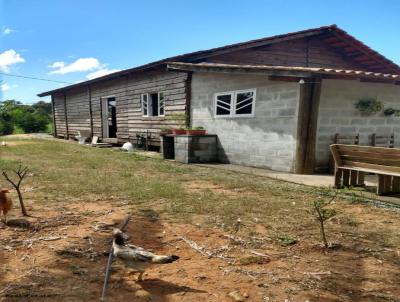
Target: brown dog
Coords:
[[5, 203]]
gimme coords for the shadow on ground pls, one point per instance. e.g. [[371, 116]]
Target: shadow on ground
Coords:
[[75, 271]]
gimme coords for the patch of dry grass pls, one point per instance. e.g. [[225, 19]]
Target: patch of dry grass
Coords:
[[274, 218], [63, 171]]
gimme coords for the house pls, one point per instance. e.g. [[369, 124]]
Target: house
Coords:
[[275, 102]]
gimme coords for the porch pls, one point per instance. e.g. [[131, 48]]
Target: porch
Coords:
[[314, 180]]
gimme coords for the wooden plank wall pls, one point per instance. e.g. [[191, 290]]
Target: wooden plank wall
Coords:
[[77, 111], [127, 90], [59, 114], [305, 52]]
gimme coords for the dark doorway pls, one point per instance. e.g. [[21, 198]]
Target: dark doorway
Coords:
[[168, 147], [154, 104], [112, 117]]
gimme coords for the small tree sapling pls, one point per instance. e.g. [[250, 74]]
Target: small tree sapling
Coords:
[[21, 173], [322, 213]]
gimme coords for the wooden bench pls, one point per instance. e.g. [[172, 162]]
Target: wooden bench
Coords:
[[382, 140], [345, 139], [353, 161]]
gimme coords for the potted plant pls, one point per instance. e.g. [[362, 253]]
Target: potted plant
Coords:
[[389, 111], [179, 131], [165, 131], [369, 106], [197, 130]]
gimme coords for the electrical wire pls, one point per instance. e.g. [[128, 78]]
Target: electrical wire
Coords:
[[32, 78]]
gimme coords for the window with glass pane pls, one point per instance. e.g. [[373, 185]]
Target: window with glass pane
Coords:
[[153, 104], [145, 104], [223, 104], [161, 103], [244, 102]]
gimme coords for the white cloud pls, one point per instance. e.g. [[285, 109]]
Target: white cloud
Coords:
[[100, 73], [57, 65], [4, 87], [9, 57], [82, 64], [7, 30]]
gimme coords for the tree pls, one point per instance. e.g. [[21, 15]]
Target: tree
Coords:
[[20, 173], [6, 126], [28, 118], [43, 107]]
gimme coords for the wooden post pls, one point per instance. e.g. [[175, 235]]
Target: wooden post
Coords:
[[373, 139], [396, 184], [66, 116], [307, 125], [357, 139], [101, 119], [388, 184], [54, 116], [188, 93], [336, 138], [346, 178], [360, 179], [109, 262], [353, 178], [335, 154], [338, 178], [90, 110], [381, 185], [147, 140], [391, 141]]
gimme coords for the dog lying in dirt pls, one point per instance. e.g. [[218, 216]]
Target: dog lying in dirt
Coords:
[[5, 203]]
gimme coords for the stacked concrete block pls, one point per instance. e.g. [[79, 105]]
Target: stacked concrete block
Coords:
[[337, 114], [266, 140], [195, 148]]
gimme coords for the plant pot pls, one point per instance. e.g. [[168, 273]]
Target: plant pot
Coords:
[[196, 132], [179, 131], [165, 132], [389, 112]]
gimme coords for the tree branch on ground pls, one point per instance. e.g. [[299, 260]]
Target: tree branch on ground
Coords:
[[21, 173]]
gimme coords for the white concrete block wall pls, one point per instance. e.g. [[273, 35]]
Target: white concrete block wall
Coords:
[[337, 114], [266, 140]]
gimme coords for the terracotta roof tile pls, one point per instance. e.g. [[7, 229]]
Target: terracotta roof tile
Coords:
[[260, 68]]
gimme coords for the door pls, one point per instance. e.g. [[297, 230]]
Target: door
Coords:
[[109, 117]]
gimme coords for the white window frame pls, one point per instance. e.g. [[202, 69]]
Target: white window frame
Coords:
[[233, 103], [159, 107], [149, 107]]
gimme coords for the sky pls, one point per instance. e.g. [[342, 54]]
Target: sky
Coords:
[[75, 40]]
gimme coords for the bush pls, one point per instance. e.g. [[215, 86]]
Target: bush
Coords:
[[33, 122], [6, 126], [19, 118], [369, 106]]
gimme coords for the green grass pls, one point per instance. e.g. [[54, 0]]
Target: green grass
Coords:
[[61, 171], [18, 130]]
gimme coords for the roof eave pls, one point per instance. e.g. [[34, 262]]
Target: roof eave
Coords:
[[284, 71], [107, 77], [239, 69]]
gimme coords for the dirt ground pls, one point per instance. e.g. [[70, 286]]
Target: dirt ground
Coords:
[[61, 257], [273, 255]]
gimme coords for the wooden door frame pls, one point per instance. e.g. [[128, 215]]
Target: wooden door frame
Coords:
[[104, 114], [53, 111], [307, 124]]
